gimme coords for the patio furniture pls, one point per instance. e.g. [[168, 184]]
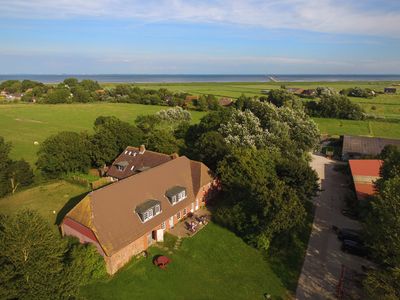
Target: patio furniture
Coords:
[[161, 261]]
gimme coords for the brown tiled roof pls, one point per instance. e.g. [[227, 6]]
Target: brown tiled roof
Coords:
[[140, 162], [225, 101], [110, 211]]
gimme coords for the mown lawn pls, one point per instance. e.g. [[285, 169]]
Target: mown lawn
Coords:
[[23, 124], [214, 264]]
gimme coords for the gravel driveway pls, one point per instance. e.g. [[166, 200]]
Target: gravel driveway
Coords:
[[323, 263]]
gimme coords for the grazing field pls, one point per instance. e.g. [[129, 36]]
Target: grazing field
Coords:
[[214, 264], [23, 124], [384, 106], [52, 200], [235, 89]]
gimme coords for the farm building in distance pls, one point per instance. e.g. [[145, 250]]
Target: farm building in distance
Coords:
[[365, 172], [225, 101], [390, 90], [361, 146]]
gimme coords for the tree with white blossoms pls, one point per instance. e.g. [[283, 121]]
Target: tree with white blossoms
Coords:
[[288, 129], [302, 129], [243, 130], [175, 114]]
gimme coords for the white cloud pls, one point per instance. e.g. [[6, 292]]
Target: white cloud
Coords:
[[331, 16]]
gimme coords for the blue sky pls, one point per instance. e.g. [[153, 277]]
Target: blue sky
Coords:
[[200, 37]]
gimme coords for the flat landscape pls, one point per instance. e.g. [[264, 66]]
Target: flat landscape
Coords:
[[23, 124]]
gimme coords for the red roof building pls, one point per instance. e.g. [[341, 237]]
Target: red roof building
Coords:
[[365, 172]]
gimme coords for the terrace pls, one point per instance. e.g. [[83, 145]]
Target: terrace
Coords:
[[192, 224]]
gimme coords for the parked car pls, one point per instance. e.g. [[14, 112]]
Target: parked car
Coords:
[[349, 234], [349, 213], [355, 248]]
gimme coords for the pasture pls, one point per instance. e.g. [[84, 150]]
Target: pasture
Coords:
[[23, 124]]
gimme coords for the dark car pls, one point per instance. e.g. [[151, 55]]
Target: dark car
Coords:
[[349, 234], [355, 248], [349, 213]]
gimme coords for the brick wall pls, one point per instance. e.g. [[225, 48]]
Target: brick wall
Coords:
[[123, 256]]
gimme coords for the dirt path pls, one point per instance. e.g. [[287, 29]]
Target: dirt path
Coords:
[[322, 266]]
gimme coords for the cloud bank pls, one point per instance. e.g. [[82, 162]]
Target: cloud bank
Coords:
[[366, 17]]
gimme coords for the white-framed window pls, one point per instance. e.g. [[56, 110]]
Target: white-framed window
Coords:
[[148, 214], [157, 209], [181, 196], [178, 215], [163, 225], [173, 199], [184, 211]]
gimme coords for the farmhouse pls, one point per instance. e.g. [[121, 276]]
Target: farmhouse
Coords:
[[190, 99], [225, 101], [390, 90], [309, 92], [360, 146], [365, 172], [297, 91], [135, 160], [125, 218]]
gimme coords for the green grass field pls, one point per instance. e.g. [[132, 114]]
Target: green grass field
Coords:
[[52, 200], [235, 89], [23, 124], [214, 264]]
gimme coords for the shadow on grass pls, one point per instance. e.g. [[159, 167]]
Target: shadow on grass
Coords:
[[288, 252], [68, 206]]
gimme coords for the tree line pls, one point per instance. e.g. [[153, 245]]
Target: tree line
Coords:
[[71, 90], [382, 228]]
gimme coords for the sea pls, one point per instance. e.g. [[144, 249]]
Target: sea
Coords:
[[168, 78]]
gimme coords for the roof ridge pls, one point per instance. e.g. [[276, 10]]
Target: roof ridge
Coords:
[[141, 174], [159, 153]]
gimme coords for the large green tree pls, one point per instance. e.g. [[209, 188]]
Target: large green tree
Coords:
[[20, 173], [4, 166], [32, 260], [383, 223], [257, 204], [111, 137], [64, 152]]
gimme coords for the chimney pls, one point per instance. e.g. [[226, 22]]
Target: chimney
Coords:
[[174, 155], [142, 149]]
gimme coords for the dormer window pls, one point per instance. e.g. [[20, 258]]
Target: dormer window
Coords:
[[148, 210], [176, 194], [121, 165]]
